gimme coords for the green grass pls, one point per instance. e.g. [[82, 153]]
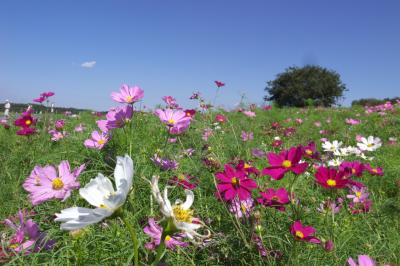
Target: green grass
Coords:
[[108, 243]]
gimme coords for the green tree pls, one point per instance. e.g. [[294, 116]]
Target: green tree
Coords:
[[300, 86]]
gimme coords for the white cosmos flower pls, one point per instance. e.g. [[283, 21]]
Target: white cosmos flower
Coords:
[[179, 213], [100, 193], [335, 162], [331, 146], [370, 144]]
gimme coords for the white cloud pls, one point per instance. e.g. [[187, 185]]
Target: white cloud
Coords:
[[89, 64]]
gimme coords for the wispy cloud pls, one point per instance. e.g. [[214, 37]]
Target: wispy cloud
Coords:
[[89, 64]]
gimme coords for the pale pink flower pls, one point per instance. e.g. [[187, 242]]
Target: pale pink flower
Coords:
[[97, 141], [128, 94]]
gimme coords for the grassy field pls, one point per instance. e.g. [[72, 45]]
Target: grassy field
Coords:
[[375, 233]]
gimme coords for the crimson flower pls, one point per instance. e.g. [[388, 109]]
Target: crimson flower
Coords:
[[234, 183], [287, 160], [219, 83], [274, 198], [331, 178], [352, 168], [310, 151], [304, 233]]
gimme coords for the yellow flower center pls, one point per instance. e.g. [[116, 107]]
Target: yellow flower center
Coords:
[[182, 215], [246, 166], [57, 183], [275, 198], [235, 181], [353, 171], [129, 99], [299, 234], [101, 141], [171, 121], [188, 114], [181, 177], [243, 207], [28, 122], [374, 170], [287, 163], [103, 206], [168, 238], [309, 152], [358, 194], [369, 145], [14, 246], [331, 182]]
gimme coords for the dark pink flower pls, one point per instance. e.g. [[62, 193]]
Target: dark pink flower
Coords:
[[185, 181], [304, 233], [352, 168], [274, 198], [220, 118], [59, 124], [27, 131], [40, 99], [310, 151], [373, 170], [287, 160], [247, 167], [234, 183], [219, 83], [330, 178]]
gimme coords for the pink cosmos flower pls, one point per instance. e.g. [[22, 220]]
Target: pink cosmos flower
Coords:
[[304, 233], [164, 163], [351, 121], [363, 260], [242, 208], [288, 132], [47, 94], [330, 178], [25, 120], [39, 99], [373, 170], [26, 239], [59, 124], [184, 181], [331, 206], [207, 132], [154, 231], [170, 101], [219, 83], [80, 128], [317, 123], [392, 141], [128, 94], [247, 136], [195, 96], [176, 120], [190, 113], [97, 141], [299, 121], [45, 183], [359, 194], [247, 168], [277, 142], [360, 207], [234, 183], [249, 114], [27, 131], [116, 118], [274, 198], [359, 137], [57, 135], [258, 153], [310, 151], [287, 160], [220, 118]]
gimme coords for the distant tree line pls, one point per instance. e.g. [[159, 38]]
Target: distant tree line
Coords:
[[20, 107], [373, 101]]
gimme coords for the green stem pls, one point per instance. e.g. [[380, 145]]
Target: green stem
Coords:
[[135, 241], [160, 250]]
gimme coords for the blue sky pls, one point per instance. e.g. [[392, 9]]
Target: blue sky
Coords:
[[177, 47]]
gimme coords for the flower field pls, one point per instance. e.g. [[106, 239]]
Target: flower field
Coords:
[[203, 186]]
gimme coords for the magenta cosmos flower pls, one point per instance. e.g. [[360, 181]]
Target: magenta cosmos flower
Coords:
[[25, 120], [234, 183], [274, 198], [304, 233], [287, 160], [219, 84], [247, 168], [45, 183], [185, 181], [310, 151], [27, 237], [363, 260], [352, 168], [128, 94], [59, 124], [330, 178], [154, 231], [97, 141], [373, 170], [176, 120]]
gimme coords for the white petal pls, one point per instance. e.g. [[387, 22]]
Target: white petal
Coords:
[[76, 217], [123, 173], [167, 203], [189, 200], [97, 190]]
